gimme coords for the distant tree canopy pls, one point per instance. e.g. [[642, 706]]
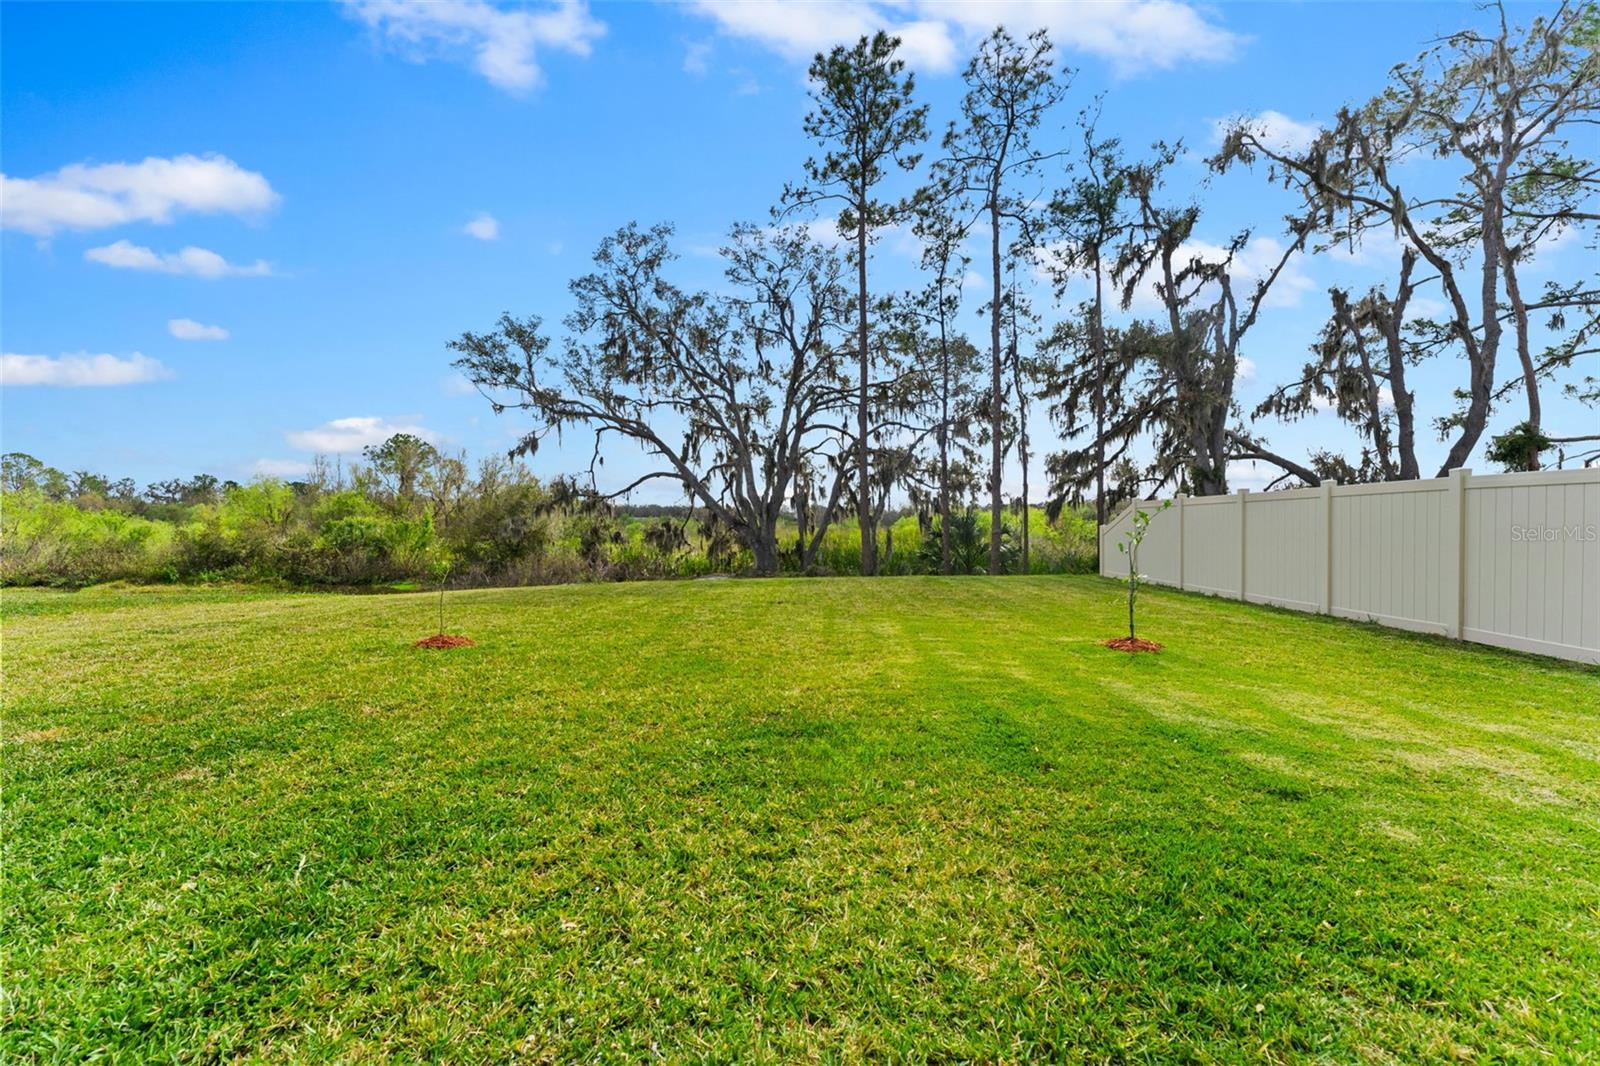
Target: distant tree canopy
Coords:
[[808, 388], [401, 462]]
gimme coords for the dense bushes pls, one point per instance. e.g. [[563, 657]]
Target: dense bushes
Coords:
[[49, 542], [43, 542], [502, 527]]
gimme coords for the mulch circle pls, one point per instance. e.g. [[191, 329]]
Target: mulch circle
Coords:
[[442, 641], [1131, 644]]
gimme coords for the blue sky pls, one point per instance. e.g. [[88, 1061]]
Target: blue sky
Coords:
[[326, 165]]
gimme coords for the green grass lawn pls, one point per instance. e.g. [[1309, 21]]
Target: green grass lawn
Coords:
[[911, 818]]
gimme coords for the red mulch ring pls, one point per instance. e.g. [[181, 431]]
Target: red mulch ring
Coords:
[[1132, 644], [443, 641]]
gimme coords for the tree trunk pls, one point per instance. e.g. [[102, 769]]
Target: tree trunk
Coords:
[[869, 536], [1208, 473], [1376, 425], [802, 515], [1482, 356], [1133, 586], [764, 549], [1022, 434], [997, 398], [1022, 453], [1099, 341], [1405, 416], [1530, 376], [944, 441]]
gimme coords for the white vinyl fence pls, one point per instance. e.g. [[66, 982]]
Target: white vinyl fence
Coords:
[[1506, 559]]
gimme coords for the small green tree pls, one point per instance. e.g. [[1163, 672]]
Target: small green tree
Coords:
[[1129, 546]]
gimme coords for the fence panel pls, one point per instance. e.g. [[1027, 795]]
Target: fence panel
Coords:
[[1161, 553], [1285, 545], [1211, 554], [1505, 559], [1389, 564], [1532, 568]]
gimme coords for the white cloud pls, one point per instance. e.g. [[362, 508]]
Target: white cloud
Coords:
[[1245, 369], [79, 370], [86, 196], [747, 85], [1373, 247], [1430, 307], [484, 227], [1275, 129], [697, 58], [187, 329], [503, 44], [200, 262], [282, 468], [1252, 474], [1253, 263], [457, 385], [824, 230], [1562, 236], [1134, 37], [797, 30], [353, 434], [936, 35]]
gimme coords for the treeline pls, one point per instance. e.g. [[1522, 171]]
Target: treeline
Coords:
[[803, 392], [410, 516]]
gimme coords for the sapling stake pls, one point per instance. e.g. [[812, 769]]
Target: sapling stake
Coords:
[[442, 572]]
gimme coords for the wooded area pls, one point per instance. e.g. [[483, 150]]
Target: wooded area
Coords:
[[807, 388]]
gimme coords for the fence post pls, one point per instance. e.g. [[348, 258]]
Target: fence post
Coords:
[[1455, 549], [1178, 502], [1325, 602], [1244, 497]]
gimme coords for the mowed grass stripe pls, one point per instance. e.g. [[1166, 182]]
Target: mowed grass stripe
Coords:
[[911, 818]]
